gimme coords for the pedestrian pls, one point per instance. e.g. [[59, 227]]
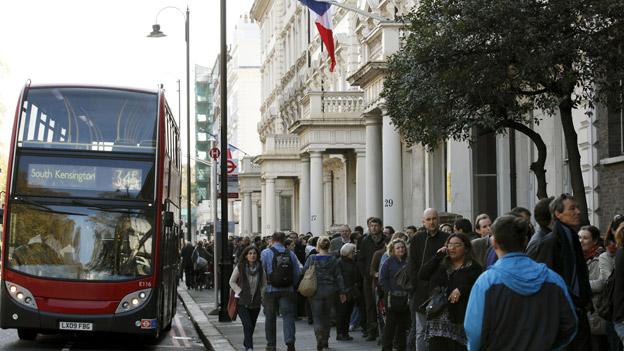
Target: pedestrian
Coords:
[[423, 247], [282, 271], [561, 251], [544, 222], [371, 242], [463, 225], [518, 304], [329, 283], [588, 236], [248, 281], [446, 227], [187, 264], [352, 281], [396, 298], [200, 265], [618, 292], [453, 270], [482, 247], [607, 264], [343, 238]]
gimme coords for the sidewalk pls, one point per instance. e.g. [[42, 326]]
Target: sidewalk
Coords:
[[229, 336]]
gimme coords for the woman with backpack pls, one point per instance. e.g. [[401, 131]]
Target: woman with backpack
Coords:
[[248, 281], [454, 272], [329, 282], [396, 297]]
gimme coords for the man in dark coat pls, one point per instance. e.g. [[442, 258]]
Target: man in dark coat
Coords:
[[187, 264], [423, 247], [371, 242], [561, 251]]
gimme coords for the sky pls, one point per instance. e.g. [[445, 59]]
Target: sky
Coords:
[[104, 43]]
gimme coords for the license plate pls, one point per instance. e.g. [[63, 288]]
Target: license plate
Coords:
[[76, 326]]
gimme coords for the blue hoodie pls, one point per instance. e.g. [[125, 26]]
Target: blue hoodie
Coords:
[[516, 281]]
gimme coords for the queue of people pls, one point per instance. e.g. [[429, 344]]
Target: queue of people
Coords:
[[443, 287]]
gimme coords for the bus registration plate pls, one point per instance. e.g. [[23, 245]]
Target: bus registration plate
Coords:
[[76, 326]]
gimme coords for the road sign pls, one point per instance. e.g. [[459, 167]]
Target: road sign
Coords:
[[215, 153], [231, 166]]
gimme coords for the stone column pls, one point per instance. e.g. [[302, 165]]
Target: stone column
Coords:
[[304, 196], [262, 227], [246, 211], [317, 225], [328, 203], [392, 176], [374, 200], [360, 194], [269, 218], [255, 226]]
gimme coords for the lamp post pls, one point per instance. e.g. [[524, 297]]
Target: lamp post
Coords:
[[157, 33]]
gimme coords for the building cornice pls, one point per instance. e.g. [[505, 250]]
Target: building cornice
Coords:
[[258, 9], [367, 73]]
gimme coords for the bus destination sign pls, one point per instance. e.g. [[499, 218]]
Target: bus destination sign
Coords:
[[84, 177]]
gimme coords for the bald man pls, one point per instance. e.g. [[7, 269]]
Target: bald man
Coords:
[[427, 241]]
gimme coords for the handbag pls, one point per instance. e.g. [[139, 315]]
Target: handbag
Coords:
[[232, 306], [397, 302], [434, 306], [307, 286]]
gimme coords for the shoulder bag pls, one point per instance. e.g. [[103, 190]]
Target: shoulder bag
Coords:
[[307, 286]]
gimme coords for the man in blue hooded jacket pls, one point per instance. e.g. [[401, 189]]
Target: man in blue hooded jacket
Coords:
[[518, 304]]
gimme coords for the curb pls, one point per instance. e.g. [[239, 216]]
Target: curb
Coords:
[[211, 337]]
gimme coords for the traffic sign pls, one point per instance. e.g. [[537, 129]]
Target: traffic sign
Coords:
[[231, 166], [215, 153]]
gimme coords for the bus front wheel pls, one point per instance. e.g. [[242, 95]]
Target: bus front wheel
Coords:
[[27, 334]]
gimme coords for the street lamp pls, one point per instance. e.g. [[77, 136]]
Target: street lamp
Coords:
[[157, 33]]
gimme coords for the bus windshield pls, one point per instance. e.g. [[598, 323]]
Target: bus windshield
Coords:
[[80, 242], [92, 119]]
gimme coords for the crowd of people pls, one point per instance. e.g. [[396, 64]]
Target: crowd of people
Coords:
[[500, 284]]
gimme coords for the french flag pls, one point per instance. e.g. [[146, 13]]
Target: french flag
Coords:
[[324, 26]]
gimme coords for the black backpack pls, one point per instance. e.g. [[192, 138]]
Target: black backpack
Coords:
[[604, 303], [282, 274]]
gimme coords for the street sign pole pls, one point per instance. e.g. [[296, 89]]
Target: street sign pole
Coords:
[[213, 196]]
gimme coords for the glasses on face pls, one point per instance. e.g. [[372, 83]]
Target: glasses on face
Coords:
[[450, 245]]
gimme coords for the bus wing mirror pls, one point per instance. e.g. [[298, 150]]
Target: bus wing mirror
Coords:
[[168, 219]]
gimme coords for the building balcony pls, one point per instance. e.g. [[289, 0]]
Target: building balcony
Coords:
[[282, 144], [332, 105]]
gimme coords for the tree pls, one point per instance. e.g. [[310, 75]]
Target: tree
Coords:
[[469, 63]]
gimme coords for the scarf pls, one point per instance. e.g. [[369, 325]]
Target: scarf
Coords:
[[593, 252]]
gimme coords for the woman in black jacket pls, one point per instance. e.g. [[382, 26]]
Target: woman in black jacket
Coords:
[[352, 278], [454, 270]]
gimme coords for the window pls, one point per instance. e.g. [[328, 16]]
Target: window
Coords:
[[485, 195], [615, 128], [285, 212]]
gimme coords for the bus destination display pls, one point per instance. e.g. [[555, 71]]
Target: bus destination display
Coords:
[[84, 177]]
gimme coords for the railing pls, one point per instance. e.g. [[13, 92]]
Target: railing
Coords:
[[281, 144], [334, 104]]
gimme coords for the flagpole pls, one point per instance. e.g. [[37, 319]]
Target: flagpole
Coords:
[[361, 12]]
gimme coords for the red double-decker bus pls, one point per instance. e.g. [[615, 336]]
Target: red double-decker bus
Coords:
[[91, 221]]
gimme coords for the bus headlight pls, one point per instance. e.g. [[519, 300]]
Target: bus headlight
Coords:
[[21, 295], [133, 300]]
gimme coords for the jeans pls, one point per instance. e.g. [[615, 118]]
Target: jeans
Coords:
[[421, 324], [619, 330], [321, 313], [343, 315], [284, 301], [355, 315], [397, 324], [248, 317], [411, 335]]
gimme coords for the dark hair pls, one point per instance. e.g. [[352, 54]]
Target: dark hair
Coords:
[[557, 205], [479, 218], [613, 226], [390, 229], [375, 220], [510, 233], [595, 232], [464, 238], [463, 224], [358, 228], [542, 215], [521, 211], [242, 259], [287, 242], [278, 237], [411, 227], [312, 241]]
